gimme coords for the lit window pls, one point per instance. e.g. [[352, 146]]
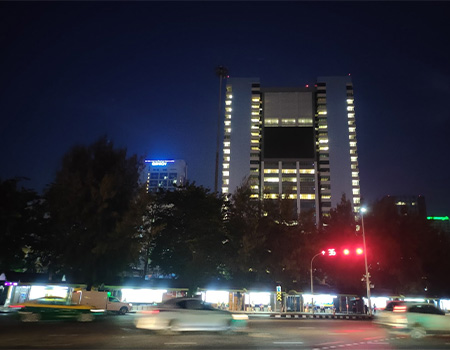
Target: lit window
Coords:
[[288, 121], [289, 179], [350, 101], [354, 159], [226, 159], [356, 200], [253, 196], [292, 196], [228, 102], [255, 134], [323, 127], [322, 112], [228, 109], [271, 196], [255, 99], [254, 187], [226, 151], [355, 191], [254, 141], [305, 121], [230, 96], [354, 174], [227, 122], [226, 165], [227, 129], [225, 173], [352, 144], [271, 179], [226, 182], [352, 129], [226, 144], [224, 189], [271, 121], [355, 183], [326, 197], [255, 112], [270, 171], [255, 148], [323, 140], [307, 196], [351, 115], [255, 106], [254, 120], [350, 108], [324, 148], [306, 171], [289, 171]]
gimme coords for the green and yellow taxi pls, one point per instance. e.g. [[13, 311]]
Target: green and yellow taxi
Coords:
[[50, 308]]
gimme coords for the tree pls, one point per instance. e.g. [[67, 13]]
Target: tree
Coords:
[[92, 194], [17, 220], [190, 244]]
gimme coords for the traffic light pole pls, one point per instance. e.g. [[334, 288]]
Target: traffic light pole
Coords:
[[365, 262]]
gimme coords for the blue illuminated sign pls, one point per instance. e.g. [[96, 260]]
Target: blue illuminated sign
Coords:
[[159, 162]]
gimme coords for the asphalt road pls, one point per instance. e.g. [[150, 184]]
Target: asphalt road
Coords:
[[119, 332]]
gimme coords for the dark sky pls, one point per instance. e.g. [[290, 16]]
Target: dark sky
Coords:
[[142, 73]]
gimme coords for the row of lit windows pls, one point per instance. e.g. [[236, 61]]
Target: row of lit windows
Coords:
[[227, 143], [290, 196], [289, 171]]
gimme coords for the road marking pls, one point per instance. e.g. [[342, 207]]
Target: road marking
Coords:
[[181, 343], [287, 342], [329, 343]]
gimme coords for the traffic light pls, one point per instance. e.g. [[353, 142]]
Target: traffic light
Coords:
[[343, 252]]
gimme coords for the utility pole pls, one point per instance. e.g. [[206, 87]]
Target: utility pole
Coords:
[[222, 73]]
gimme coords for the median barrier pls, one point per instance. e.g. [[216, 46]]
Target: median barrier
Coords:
[[286, 315]]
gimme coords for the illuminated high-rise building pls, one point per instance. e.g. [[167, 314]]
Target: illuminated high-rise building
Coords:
[[165, 174], [292, 143]]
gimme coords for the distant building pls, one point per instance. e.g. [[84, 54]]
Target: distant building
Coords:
[[165, 174], [296, 143], [441, 223], [411, 205]]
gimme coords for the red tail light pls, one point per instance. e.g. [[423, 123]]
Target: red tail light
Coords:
[[150, 312], [16, 306], [400, 308]]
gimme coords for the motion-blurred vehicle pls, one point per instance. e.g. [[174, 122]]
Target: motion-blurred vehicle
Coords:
[[50, 308], [417, 319], [101, 300], [190, 314]]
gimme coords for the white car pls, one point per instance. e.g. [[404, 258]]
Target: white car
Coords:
[[189, 314], [417, 319]]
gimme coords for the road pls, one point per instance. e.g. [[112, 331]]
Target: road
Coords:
[[118, 332]]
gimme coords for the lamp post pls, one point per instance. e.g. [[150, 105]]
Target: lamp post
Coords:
[[312, 282], [363, 210]]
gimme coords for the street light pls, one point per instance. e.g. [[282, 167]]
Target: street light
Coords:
[[312, 283], [362, 211]]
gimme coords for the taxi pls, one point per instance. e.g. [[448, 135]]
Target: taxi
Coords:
[[50, 308]]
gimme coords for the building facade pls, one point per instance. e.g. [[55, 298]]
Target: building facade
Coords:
[[165, 174], [297, 144]]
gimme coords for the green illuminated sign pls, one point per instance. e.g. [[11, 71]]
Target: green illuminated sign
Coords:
[[442, 218]]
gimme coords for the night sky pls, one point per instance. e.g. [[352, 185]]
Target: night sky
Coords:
[[143, 73]]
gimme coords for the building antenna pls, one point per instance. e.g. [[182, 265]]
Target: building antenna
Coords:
[[222, 73]]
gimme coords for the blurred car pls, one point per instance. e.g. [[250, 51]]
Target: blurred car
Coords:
[[49, 308], [417, 319], [190, 314]]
